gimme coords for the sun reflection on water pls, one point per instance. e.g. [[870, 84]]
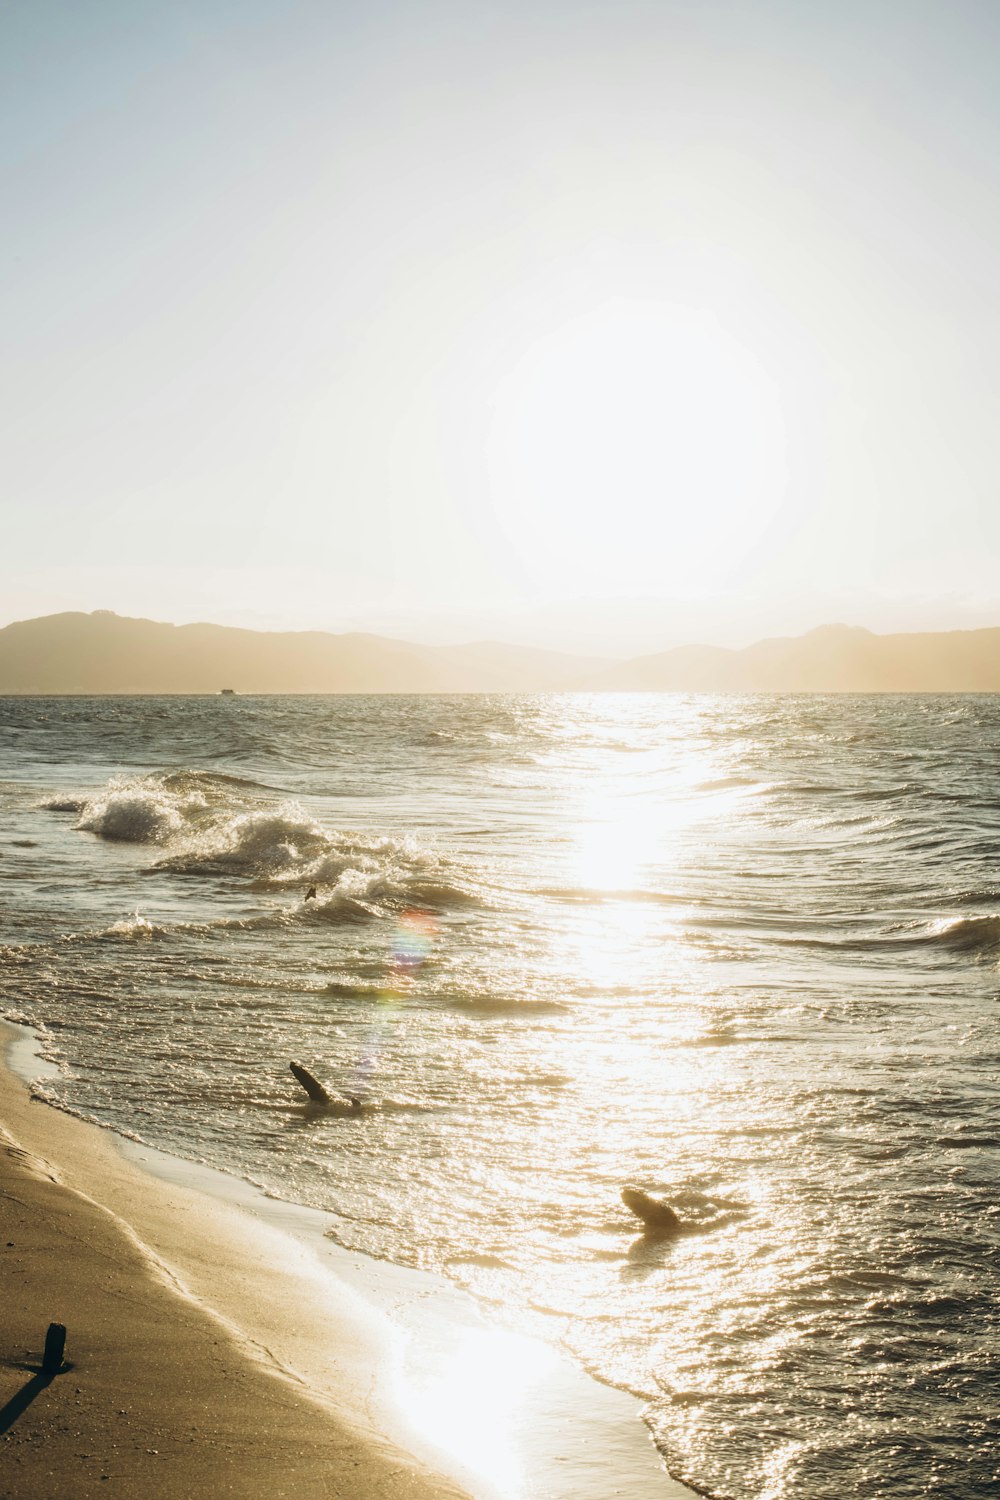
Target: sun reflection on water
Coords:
[[646, 802], [467, 1394]]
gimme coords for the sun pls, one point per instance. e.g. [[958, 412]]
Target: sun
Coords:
[[638, 446]]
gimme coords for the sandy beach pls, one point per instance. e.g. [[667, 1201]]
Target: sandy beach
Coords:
[[211, 1352]]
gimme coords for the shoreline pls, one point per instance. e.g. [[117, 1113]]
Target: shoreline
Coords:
[[395, 1366]]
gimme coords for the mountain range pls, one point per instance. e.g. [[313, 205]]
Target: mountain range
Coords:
[[103, 652]]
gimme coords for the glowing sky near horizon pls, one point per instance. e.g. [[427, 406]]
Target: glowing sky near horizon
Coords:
[[398, 314]]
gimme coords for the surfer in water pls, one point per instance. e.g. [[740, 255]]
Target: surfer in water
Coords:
[[311, 893]]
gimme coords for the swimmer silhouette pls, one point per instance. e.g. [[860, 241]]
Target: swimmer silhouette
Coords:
[[311, 893]]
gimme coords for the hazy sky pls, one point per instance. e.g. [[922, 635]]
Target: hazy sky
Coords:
[[610, 320]]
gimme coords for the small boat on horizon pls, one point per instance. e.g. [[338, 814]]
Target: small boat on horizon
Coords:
[[227, 692]]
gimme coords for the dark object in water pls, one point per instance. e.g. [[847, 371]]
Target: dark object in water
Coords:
[[55, 1343], [227, 692], [659, 1218], [311, 893], [346, 1105], [312, 1086]]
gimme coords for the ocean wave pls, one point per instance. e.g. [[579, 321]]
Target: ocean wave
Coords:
[[436, 893], [966, 934], [358, 896], [261, 842], [208, 781], [205, 824], [960, 935], [481, 1002], [163, 806], [134, 929], [988, 895], [597, 895], [346, 989], [63, 804], [133, 817], [717, 1037], [485, 1003]]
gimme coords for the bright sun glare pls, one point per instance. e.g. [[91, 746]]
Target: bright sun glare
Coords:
[[638, 446]]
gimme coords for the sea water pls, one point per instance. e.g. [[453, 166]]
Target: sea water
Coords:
[[741, 952]]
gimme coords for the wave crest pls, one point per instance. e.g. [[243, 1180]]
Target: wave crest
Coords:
[[263, 842], [968, 934], [63, 804], [132, 816], [207, 824]]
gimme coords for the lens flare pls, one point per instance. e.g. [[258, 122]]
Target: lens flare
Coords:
[[412, 942]]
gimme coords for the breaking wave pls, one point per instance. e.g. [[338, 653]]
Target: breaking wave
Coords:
[[967, 934], [134, 929], [206, 824], [132, 816]]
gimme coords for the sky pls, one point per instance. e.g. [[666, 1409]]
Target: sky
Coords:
[[605, 325]]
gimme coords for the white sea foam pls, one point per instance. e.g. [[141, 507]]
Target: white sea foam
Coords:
[[134, 929], [223, 825], [137, 812], [262, 842]]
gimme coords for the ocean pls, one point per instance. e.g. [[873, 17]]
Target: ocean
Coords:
[[741, 952]]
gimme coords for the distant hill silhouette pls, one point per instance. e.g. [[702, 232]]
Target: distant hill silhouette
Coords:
[[106, 653], [830, 659]]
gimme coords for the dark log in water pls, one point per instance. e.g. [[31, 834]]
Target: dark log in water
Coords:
[[658, 1217], [312, 1086]]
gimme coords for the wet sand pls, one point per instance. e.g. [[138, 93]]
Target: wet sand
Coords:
[[217, 1345]]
